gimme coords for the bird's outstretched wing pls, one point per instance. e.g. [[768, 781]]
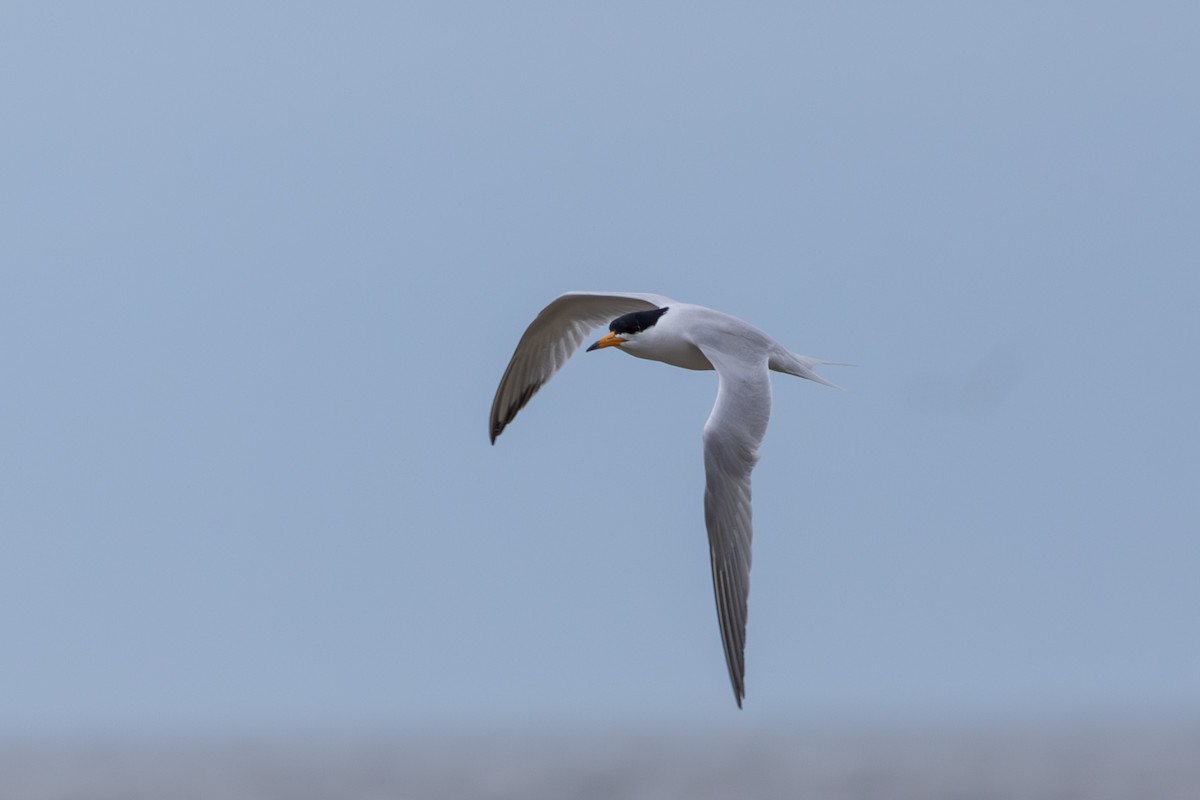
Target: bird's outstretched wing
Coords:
[[731, 438], [553, 336]]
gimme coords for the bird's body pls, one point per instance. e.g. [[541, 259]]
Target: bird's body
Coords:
[[692, 337]]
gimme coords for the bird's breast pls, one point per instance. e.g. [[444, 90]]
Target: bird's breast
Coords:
[[671, 350]]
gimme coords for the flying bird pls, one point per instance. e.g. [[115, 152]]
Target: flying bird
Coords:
[[657, 328]]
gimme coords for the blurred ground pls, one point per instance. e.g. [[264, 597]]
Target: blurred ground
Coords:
[[1094, 762]]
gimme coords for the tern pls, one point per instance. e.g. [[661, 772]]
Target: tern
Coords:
[[693, 337]]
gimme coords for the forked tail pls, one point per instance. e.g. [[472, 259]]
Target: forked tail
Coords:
[[801, 366]]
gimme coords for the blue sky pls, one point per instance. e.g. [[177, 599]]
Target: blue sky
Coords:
[[263, 267]]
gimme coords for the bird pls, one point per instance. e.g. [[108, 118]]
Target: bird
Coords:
[[654, 327]]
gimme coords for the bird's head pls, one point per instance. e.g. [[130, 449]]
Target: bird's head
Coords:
[[625, 330]]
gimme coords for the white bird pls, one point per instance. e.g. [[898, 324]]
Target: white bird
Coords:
[[654, 327]]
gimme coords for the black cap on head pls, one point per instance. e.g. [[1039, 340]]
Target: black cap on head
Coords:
[[636, 322]]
